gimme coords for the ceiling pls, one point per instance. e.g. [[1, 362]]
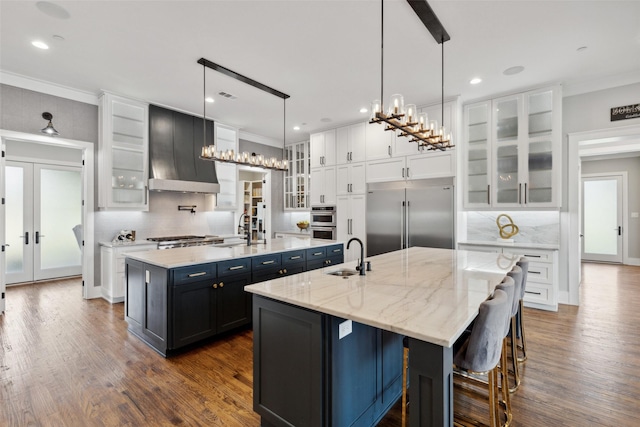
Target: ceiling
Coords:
[[324, 54]]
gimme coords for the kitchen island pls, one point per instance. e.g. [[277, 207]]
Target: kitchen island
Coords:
[[328, 349], [181, 296]]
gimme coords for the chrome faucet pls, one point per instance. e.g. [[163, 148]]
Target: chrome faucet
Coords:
[[246, 229], [361, 266]]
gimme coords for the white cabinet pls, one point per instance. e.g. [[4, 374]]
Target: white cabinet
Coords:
[[123, 153], [296, 178], [350, 144], [435, 164], [543, 275], [323, 186], [112, 269], [226, 138], [351, 179], [379, 141], [512, 151], [351, 213], [323, 149], [391, 169]]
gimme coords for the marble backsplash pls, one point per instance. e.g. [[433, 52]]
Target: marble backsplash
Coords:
[[535, 226]]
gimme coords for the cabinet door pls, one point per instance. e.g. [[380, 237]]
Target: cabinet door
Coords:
[[542, 148], [233, 303], [330, 186], [357, 226], [379, 142], [330, 148], [317, 149], [358, 179], [477, 155], [317, 186], [194, 312], [403, 146], [343, 215], [431, 165], [386, 170], [343, 178], [507, 128], [343, 145], [134, 301], [357, 138]]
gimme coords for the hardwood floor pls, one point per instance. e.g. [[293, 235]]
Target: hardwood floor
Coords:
[[69, 362]]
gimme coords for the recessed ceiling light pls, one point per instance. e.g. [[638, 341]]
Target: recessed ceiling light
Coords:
[[53, 10], [581, 49], [296, 128], [39, 44], [513, 70], [475, 80], [363, 110], [209, 99], [57, 37]]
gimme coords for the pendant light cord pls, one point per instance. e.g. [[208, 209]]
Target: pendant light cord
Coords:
[[284, 126], [442, 74], [381, 54], [204, 105]]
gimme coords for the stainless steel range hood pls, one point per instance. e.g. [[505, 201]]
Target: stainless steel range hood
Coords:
[[175, 141]]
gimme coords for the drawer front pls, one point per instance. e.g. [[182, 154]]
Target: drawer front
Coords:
[[540, 272], [269, 261], [335, 251], [293, 257], [316, 253], [234, 266], [534, 255], [538, 293], [479, 248], [194, 273]]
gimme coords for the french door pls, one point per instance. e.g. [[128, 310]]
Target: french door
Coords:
[[602, 218], [43, 205]]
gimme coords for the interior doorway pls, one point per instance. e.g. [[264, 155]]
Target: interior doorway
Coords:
[[42, 221], [602, 218], [254, 200]]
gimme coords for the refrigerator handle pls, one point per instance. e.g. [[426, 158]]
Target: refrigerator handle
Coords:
[[402, 214], [408, 223]]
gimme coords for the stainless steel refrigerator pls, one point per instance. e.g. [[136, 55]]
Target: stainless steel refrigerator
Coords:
[[403, 214]]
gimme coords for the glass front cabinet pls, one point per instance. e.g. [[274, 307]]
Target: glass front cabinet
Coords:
[[296, 178], [123, 153], [512, 151]]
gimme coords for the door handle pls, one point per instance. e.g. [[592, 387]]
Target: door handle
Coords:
[[26, 237], [38, 236], [619, 231]]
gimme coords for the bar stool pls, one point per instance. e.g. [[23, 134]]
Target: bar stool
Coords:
[[523, 263], [482, 351], [516, 275]]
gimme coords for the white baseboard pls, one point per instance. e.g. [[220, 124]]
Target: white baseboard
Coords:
[[632, 261]]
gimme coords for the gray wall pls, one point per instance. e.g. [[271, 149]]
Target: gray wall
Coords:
[[632, 166]]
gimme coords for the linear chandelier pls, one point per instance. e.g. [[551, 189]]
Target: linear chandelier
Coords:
[[210, 153], [405, 119]]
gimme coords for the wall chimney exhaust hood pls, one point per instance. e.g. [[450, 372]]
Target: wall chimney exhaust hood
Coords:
[[175, 141]]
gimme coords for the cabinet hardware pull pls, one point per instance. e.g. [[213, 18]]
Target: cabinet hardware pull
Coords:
[[407, 172], [279, 271], [317, 253], [222, 284], [237, 267], [268, 262], [328, 262], [337, 250], [534, 293], [295, 257], [533, 256], [403, 172], [285, 271], [534, 272], [202, 273], [215, 286], [519, 194], [525, 193], [489, 194], [389, 149]]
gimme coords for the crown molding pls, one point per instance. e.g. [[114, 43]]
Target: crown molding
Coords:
[[36, 85]]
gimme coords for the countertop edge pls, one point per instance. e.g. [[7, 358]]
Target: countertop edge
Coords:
[[525, 245]]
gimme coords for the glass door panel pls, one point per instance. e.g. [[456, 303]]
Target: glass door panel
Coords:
[[540, 107], [507, 119], [507, 174], [477, 154], [540, 164], [602, 219], [18, 222], [58, 209]]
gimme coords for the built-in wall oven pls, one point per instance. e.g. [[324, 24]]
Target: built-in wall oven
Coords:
[[323, 222]]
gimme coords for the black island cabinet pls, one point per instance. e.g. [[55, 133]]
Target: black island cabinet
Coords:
[[172, 308]]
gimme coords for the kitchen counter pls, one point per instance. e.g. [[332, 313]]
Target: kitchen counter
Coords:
[[125, 244], [343, 337], [523, 245], [181, 257], [426, 293]]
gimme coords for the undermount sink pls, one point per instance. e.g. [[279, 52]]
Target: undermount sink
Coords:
[[343, 272]]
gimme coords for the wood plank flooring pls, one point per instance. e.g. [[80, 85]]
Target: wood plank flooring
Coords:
[[69, 362]]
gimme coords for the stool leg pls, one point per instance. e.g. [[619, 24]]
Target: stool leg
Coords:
[[514, 355], [504, 384], [523, 339], [405, 363]]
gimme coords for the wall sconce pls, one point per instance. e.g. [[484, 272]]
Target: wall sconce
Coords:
[[49, 130]]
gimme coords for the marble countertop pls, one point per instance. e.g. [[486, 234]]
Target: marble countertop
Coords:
[[523, 245], [181, 257], [126, 244], [426, 293]]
